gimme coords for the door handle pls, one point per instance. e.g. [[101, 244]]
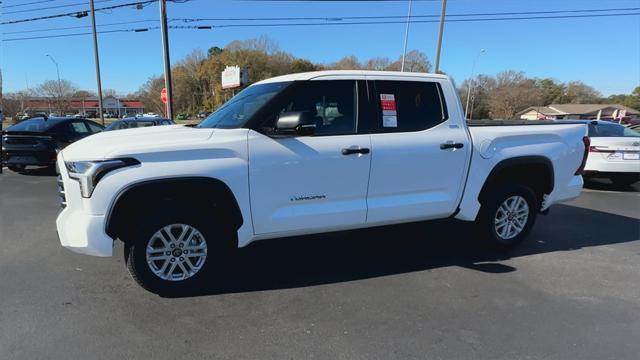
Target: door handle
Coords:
[[451, 145], [355, 150]]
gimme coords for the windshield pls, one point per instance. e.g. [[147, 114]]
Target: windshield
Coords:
[[611, 130], [236, 112]]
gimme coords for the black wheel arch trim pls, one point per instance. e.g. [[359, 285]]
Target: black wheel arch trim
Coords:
[[518, 161], [236, 213]]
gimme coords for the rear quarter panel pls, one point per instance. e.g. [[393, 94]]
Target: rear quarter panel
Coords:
[[560, 143]]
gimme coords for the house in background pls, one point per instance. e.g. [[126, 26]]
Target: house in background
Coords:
[[578, 111]]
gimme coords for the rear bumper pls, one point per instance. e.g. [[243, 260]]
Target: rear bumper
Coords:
[[595, 165], [35, 158], [565, 193]]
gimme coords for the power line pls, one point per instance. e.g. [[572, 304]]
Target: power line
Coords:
[[25, 4], [52, 7], [207, 27], [78, 13], [336, 19], [417, 21], [84, 33], [78, 27]]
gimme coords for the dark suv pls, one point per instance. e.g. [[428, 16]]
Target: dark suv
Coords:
[[36, 141]]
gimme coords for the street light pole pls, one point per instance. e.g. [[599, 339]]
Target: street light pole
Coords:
[[439, 46], [97, 59], [167, 61], [472, 82], [406, 37], [59, 83]]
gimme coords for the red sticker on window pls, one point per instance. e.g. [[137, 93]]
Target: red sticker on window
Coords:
[[388, 102]]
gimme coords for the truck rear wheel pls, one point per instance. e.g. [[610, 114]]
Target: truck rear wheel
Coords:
[[174, 251], [507, 215]]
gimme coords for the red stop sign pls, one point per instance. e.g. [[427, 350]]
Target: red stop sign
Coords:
[[163, 95]]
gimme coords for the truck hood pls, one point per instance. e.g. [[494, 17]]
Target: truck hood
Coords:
[[111, 144]]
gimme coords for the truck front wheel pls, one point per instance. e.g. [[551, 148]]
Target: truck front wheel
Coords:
[[173, 251], [507, 215]]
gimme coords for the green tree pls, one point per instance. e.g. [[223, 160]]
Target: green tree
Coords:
[[302, 65]]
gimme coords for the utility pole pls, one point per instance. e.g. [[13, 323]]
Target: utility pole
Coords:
[[59, 85], [406, 37], [95, 52], [167, 61], [442, 13]]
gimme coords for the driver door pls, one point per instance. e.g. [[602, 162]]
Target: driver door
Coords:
[[310, 183]]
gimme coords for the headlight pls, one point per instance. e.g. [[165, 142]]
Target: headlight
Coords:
[[89, 173]]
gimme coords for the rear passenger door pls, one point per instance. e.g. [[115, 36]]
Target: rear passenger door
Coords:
[[419, 153]]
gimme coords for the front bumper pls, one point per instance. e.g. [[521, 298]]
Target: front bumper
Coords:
[[83, 234], [78, 230]]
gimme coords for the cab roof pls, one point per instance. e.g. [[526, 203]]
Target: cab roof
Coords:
[[349, 74]]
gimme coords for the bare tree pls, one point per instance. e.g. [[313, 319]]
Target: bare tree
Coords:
[[578, 92], [14, 103], [59, 91], [513, 92], [109, 93], [347, 63], [149, 94], [378, 63]]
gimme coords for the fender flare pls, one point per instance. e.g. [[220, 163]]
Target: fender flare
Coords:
[[222, 192], [519, 161]]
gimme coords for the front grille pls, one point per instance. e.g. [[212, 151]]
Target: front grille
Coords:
[[61, 193]]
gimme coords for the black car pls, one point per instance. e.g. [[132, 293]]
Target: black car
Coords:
[[130, 123], [37, 141]]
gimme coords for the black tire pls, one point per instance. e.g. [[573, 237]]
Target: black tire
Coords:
[[17, 168], [624, 179], [218, 244], [485, 223]]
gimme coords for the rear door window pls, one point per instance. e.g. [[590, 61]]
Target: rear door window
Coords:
[[78, 127], [405, 106]]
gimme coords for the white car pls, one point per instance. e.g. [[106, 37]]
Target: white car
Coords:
[[309, 153], [614, 152]]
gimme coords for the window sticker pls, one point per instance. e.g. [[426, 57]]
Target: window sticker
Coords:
[[389, 110]]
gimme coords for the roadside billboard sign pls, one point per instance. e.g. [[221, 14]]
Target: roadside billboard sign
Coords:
[[233, 77]]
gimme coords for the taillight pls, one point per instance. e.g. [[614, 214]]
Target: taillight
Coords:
[[587, 147], [595, 149]]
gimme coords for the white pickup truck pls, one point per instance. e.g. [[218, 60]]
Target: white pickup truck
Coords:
[[308, 153]]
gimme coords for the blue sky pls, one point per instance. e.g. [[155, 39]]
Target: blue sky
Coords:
[[603, 52]]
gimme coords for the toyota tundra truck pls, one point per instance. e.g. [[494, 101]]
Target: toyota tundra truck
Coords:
[[309, 153]]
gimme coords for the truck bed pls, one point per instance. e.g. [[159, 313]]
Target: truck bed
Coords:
[[476, 123]]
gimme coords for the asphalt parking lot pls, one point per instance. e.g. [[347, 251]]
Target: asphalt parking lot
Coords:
[[417, 291]]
